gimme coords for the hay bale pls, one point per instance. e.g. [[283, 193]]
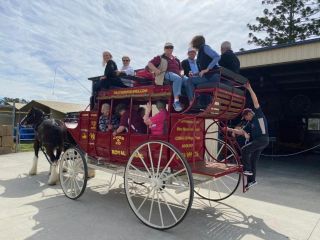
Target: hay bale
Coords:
[[6, 141], [5, 150]]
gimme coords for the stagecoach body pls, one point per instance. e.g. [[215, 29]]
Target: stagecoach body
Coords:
[[194, 155]]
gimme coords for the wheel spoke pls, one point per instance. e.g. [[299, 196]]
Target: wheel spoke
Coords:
[[159, 160], [165, 200], [144, 200], [160, 211], [151, 160], [151, 207], [167, 165], [145, 165], [236, 180], [143, 173], [173, 197], [225, 185], [173, 175], [218, 190]]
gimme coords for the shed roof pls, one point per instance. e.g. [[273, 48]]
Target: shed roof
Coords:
[[63, 107], [284, 53]]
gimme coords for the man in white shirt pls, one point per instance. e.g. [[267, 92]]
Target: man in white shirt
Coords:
[[126, 70]]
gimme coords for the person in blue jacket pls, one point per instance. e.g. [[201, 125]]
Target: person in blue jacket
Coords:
[[207, 60]]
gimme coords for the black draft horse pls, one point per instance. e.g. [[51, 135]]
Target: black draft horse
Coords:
[[50, 134]]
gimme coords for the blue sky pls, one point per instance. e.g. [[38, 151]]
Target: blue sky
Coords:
[[59, 43]]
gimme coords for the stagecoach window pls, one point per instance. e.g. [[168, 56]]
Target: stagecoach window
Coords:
[[314, 124]]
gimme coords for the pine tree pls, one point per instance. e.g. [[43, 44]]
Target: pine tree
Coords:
[[286, 22]]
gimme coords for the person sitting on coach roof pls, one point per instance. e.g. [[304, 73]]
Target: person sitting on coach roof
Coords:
[[110, 78], [228, 59], [157, 123], [189, 65], [137, 124], [168, 67], [126, 70], [207, 60]]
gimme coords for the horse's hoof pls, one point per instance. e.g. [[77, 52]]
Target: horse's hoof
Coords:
[[32, 173], [52, 183], [91, 173]]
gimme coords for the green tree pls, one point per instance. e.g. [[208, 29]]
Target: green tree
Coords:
[[6, 100], [286, 21]]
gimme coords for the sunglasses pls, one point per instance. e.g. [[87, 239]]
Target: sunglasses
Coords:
[[169, 47], [125, 60]]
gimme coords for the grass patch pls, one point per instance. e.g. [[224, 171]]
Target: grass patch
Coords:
[[26, 147]]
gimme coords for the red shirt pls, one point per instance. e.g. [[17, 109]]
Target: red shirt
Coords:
[[159, 123], [137, 124], [173, 64]]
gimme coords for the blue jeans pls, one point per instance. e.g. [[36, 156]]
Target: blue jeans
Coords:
[[192, 82], [177, 82]]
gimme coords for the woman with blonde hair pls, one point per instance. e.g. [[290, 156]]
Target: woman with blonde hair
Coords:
[[110, 77]]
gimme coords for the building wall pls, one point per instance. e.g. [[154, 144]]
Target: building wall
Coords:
[[280, 55]]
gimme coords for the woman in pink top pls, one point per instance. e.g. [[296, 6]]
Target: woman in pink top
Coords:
[[157, 123]]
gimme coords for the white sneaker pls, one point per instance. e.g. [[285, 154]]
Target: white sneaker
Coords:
[[247, 173]]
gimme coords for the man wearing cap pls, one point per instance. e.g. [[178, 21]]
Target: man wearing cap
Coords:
[[259, 137], [168, 67], [190, 66]]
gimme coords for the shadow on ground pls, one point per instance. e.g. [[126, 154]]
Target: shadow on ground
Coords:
[[97, 216], [290, 181]]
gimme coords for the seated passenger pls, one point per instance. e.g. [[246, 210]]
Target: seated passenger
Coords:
[[190, 66], [168, 67], [110, 77], [141, 111], [157, 123], [207, 60], [137, 124], [104, 120], [228, 59], [126, 70]]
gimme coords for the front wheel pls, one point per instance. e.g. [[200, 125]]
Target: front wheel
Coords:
[[73, 173], [158, 185]]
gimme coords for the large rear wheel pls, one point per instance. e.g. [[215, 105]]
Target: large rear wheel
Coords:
[[222, 187], [158, 185]]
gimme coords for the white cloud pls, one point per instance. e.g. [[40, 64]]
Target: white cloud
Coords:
[[39, 36]]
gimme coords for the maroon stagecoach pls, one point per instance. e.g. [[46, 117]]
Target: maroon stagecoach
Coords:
[[161, 173]]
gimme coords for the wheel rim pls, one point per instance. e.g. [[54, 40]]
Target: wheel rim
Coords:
[[158, 185], [73, 173], [216, 189]]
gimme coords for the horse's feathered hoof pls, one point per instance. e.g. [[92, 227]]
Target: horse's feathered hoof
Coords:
[[33, 170], [91, 173], [54, 177]]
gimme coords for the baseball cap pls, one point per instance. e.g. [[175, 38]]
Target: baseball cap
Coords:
[[191, 50], [168, 44]]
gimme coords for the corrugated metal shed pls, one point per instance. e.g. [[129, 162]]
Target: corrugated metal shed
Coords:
[[287, 53]]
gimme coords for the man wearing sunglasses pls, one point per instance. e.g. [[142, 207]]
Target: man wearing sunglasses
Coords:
[[168, 67]]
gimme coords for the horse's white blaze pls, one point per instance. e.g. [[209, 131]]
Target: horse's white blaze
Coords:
[[33, 170], [54, 175]]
